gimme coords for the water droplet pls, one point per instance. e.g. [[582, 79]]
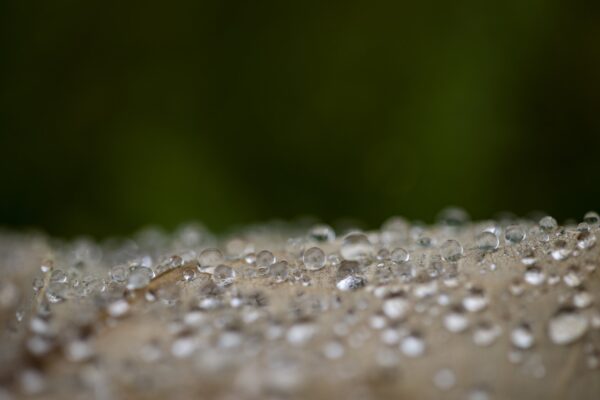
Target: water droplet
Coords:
[[58, 276], [119, 273], [522, 337], [451, 250], [118, 308], [188, 274], [548, 223], [279, 271], [479, 393], [209, 259], [582, 299], [586, 240], [572, 278], [396, 307], [475, 300], [560, 250], [486, 241], [453, 216], [322, 233], [314, 259], [485, 334], [356, 246], [223, 275], [57, 292], [591, 218], [37, 284], [301, 333], [528, 257], [47, 266], [413, 345], [351, 282], [399, 255], [534, 275], [264, 259], [424, 241], [139, 277], [514, 234], [333, 350], [455, 320], [444, 379], [567, 326]]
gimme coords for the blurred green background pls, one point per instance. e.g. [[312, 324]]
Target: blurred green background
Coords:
[[115, 115]]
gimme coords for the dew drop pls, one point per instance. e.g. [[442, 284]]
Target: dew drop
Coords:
[[322, 233], [486, 241], [534, 275], [548, 223], [209, 259], [591, 218], [586, 240], [560, 250], [567, 326], [119, 273], [356, 246], [223, 275], [514, 234], [455, 320], [475, 300], [399, 255], [264, 259], [485, 334], [139, 277], [396, 307], [451, 250], [444, 379], [279, 271], [522, 337], [314, 259], [413, 345]]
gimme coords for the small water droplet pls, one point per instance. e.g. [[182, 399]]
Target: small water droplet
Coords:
[[314, 259], [119, 273], [413, 345], [522, 337], [451, 250], [567, 326], [514, 234], [139, 277], [444, 379], [586, 240], [486, 241], [456, 320], [534, 275], [322, 233], [396, 307], [279, 271], [485, 334], [356, 246], [399, 255], [223, 275], [548, 223], [475, 300], [209, 259], [592, 218], [560, 250]]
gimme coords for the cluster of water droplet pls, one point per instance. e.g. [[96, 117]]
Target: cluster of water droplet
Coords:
[[273, 307]]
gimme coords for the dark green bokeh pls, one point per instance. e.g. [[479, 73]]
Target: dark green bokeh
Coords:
[[115, 115]]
